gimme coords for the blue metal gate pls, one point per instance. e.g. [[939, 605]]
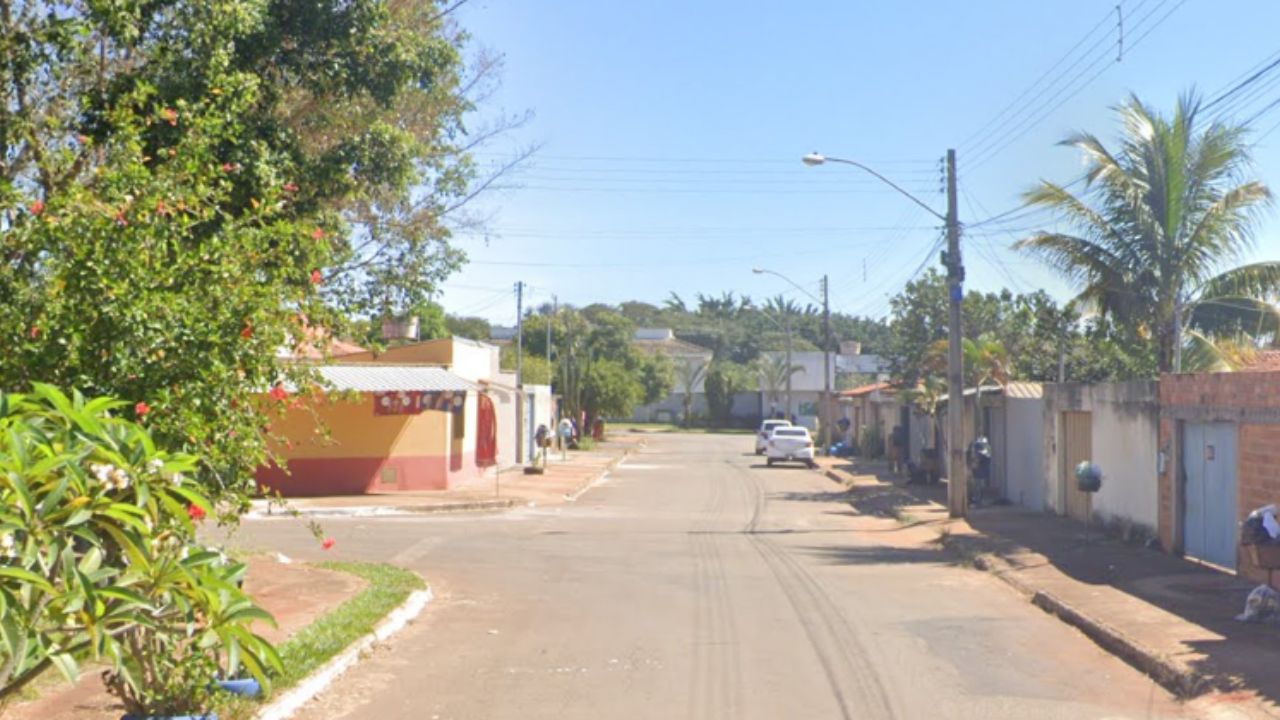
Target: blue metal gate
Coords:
[[1209, 500]]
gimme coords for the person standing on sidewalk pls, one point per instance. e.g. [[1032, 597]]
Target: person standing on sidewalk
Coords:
[[897, 449]]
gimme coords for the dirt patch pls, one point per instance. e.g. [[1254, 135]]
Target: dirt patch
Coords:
[[296, 594]]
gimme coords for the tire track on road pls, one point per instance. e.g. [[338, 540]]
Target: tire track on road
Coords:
[[844, 659], [716, 689]]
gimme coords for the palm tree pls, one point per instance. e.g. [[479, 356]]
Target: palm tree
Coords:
[[690, 373], [1157, 227], [774, 371]]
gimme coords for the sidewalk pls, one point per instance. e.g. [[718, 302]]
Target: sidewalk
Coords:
[[1169, 617], [562, 482]]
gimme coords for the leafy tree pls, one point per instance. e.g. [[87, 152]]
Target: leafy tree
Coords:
[[609, 389], [724, 380], [1159, 223], [690, 374], [657, 377], [188, 187], [473, 328], [536, 370], [773, 373]]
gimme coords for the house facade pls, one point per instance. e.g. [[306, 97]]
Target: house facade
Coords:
[[422, 416], [1218, 459]]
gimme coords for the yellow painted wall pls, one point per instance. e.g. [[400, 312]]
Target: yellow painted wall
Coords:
[[432, 352], [354, 431]]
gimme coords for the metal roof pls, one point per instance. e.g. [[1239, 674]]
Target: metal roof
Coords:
[[376, 377], [1024, 390]]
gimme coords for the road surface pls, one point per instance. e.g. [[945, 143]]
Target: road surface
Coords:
[[696, 583]]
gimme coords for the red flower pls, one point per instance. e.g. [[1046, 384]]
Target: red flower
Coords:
[[317, 234], [328, 543], [290, 188], [121, 220], [278, 392], [247, 332], [141, 409], [162, 208], [37, 207], [316, 277], [82, 139], [171, 115], [230, 167], [35, 332], [195, 512]]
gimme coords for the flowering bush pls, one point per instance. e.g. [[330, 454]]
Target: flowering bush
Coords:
[[99, 559]]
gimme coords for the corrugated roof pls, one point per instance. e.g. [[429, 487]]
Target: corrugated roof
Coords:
[[1024, 390], [392, 378]]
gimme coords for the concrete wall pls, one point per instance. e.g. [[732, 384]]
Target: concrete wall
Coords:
[[1124, 435], [1252, 401]]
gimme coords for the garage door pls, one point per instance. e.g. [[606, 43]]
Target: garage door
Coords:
[[1209, 499]]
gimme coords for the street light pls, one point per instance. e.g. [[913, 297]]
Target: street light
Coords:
[[786, 328], [825, 412], [957, 484]]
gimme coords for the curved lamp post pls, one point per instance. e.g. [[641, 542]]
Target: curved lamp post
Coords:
[[957, 483]]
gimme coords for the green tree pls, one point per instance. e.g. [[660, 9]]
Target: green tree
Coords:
[[657, 377], [1159, 224], [690, 375], [773, 372], [724, 380], [473, 328], [188, 187], [609, 390]]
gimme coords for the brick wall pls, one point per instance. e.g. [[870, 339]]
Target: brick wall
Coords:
[[1252, 401]]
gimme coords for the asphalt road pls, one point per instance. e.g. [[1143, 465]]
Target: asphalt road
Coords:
[[696, 583]]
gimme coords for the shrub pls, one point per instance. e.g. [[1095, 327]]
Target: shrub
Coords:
[[100, 559]]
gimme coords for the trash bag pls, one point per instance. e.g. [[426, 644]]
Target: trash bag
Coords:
[[1260, 527], [1262, 606]]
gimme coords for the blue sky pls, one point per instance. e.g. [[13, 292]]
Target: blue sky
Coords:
[[671, 133]]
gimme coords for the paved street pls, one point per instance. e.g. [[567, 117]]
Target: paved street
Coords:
[[696, 583]]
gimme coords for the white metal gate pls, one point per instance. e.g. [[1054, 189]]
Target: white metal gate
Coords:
[[1209, 497]]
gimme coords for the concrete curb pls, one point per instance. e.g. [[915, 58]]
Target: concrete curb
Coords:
[[1175, 676], [604, 474], [288, 704], [384, 510]]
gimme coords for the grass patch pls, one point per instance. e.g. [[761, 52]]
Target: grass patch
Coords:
[[320, 641]]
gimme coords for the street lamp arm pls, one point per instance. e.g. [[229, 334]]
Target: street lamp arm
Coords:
[[819, 159], [762, 271]]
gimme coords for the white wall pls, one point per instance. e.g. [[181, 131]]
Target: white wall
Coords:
[[1024, 452], [474, 360], [1125, 439]]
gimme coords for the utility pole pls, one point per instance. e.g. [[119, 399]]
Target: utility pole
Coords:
[[786, 318], [957, 477], [520, 372], [826, 366], [555, 308]]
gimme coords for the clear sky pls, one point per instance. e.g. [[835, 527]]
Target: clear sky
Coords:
[[671, 133]]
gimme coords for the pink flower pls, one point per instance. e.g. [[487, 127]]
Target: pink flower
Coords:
[[328, 543], [141, 409], [121, 220], [317, 234], [195, 512], [278, 392], [37, 207], [171, 115], [290, 188], [316, 277], [35, 332]]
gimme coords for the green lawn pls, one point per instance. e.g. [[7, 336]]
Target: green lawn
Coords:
[[319, 642]]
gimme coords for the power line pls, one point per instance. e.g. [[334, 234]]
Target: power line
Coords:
[[994, 147], [973, 139]]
